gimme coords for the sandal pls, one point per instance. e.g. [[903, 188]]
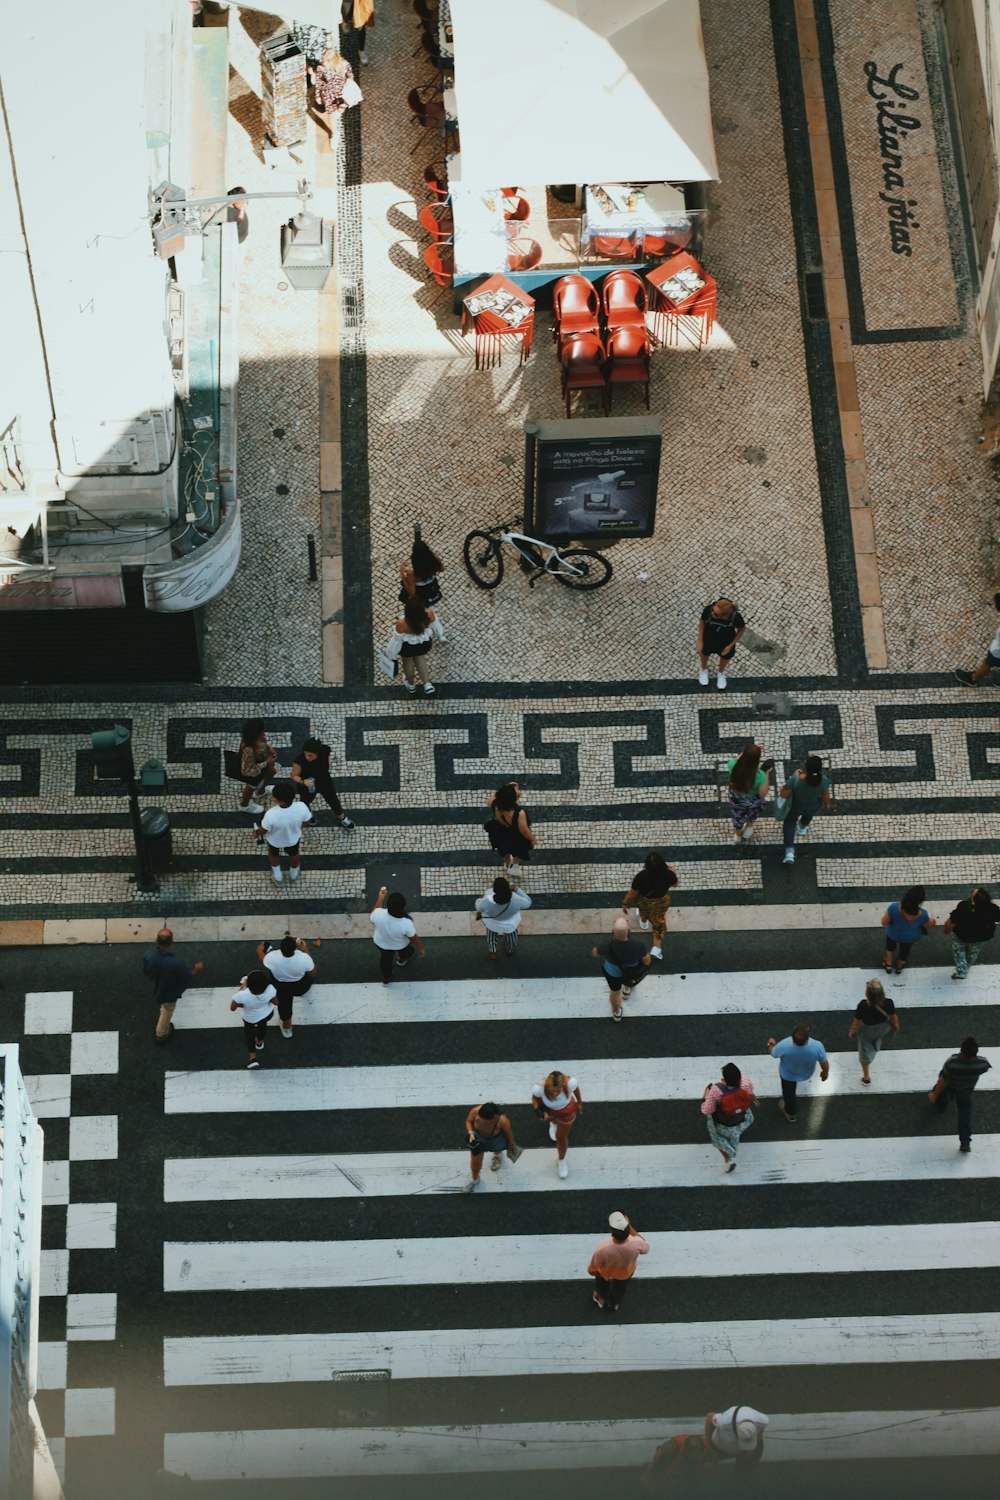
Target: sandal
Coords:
[[900, 968], [887, 968], [616, 1015]]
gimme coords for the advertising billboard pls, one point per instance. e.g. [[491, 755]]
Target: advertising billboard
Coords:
[[595, 480]]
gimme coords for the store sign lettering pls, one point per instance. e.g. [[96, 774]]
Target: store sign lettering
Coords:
[[894, 126]]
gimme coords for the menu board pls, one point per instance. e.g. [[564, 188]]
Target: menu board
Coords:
[[600, 484]]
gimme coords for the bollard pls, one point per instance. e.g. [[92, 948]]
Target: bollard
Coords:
[[311, 544]]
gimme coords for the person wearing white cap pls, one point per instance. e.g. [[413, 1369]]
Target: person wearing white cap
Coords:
[[612, 1264], [737, 1432]]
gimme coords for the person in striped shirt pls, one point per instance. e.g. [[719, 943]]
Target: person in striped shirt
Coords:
[[958, 1077]]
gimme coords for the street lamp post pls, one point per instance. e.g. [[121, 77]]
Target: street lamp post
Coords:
[[113, 762]]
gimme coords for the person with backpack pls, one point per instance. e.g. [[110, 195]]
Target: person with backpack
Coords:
[[873, 1020], [728, 1110], [625, 961], [805, 792]]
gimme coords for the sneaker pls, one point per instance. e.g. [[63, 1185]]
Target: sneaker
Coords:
[[276, 875], [644, 925], [513, 1152], [411, 688], [363, 58], [564, 1169], [495, 1162], [251, 807], [789, 858], [783, 1111], [722, 682], [803, 834], [401, 963], [965, 678], [656, 952], [703, 677], [429, 689], [253, 1063], [966, 1147], [599, 1300], [954, 976], [346, 822], [259, 1046], [471, 1185], [616, 1015], [731, 1165], [286, 1031], [626, 991], [552, 1130], [747, 833], [295, 872]]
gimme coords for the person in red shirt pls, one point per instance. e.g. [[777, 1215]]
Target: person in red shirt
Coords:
[[612, 1264]]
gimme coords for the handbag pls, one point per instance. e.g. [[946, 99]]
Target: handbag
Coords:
[[232, 765], [389, 664], [351, 92]]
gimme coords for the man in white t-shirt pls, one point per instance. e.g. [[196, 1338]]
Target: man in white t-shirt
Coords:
[[282, 826], [737, 1432], [394, 936], [293, 972], [990, 661]]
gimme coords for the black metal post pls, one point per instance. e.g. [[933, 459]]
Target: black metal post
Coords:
[[311, 544], [530, 448], [145, 879]]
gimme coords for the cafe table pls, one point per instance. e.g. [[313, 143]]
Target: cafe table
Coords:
[[481, 240], [683, 300], [446, 42], [514, 318], [615, 208]]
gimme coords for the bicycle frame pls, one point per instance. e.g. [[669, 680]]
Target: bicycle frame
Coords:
[[552, 559]]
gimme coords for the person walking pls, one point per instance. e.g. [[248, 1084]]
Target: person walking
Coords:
[[500, 911], [394, 934], [800, 799], [292, 972], [255, 1000], [171, 977], [989, 662], [972, 923], [905, 922], [416, 631], [613, 1262], [332, 94], [749, 784], [728, 1110], [311, 776], [720, 627], [487, 1128], [797, 1057], [649, 894], [257, 763], [356, 16], [956, 1080], [282, 827], [737, 1432], [873, 1020], [509, 830], [624, 961], [418, 576], [558, 1100]]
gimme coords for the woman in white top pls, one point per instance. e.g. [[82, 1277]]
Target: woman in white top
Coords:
[[501, 911], [254, 999], [411, 642], [558, 1100]]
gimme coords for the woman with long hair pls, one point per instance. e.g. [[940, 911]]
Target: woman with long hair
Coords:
[[873, 1020], [905, 922], [415, 633], [328, 79], [649, 893], [558, 1100], [728, 1110], [418, 575], [311, 775], [749, 784], [509, 830], [500, 911], [257, 762], [487, 1128]]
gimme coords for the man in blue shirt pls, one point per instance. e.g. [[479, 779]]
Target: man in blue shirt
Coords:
[[171, 977], [797, 1057]]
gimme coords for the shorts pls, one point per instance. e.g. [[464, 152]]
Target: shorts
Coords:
[[615, 981], [994, 661], [290, 849]]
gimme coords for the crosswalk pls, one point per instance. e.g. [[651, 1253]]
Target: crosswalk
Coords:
[[320, 1262]]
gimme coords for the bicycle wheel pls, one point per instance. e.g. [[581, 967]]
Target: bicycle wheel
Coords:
[[594, 569], [483, 559]]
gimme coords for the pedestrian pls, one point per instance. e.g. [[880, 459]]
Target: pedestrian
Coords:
[[972, 923], [292, 971], [282, 827], [612, 1264], [624, 960], [749, 784], [394, 934], [957, 1078], [905, 922], [500, 912], [797, 1057], [509, 829], [680, 1458], [236, 214], [720, 627], [737, 1432], [487, 1128], [649, 893], [255, 999], [357, 16], [800, 799], [728, 1110], [990, 660], [873, 1020], [558, 1100], [257, 762], [171, 977], [418, 575], [311, 775], [411, 641], [334, 90]]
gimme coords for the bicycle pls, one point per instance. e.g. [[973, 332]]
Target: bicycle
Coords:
[[576, 568]]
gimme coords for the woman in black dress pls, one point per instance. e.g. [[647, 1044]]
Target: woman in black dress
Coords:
[[311, 774], [509, 831]]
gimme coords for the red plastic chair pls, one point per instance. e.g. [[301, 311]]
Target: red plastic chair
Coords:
[[519, 210], [437, 219], [584, 367], [522, 255], [576, 308], [436, 180], [427, 113], [628, 360], [624, 299], [440, 261], [662, 245], [614, 246]]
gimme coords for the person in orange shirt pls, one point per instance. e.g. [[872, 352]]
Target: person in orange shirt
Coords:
[[612, 1264]]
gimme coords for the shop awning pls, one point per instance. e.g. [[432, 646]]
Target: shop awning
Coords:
[[582, 91]]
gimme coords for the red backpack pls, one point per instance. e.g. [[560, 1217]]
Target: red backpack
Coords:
[[734, 1105]]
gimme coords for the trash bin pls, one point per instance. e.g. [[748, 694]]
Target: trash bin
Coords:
[[156, 833]]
